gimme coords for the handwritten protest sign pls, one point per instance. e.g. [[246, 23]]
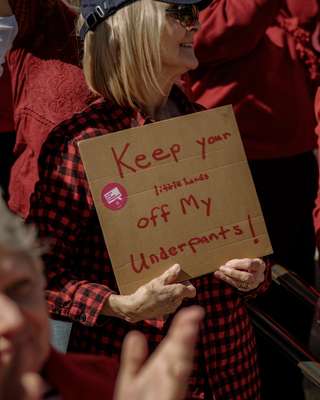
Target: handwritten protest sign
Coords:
[[176, 191]]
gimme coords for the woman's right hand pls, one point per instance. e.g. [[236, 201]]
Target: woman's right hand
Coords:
[[154, 300]]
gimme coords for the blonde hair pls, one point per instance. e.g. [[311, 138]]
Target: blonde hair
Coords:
[[122, 58], [74, 4], [15, 236]]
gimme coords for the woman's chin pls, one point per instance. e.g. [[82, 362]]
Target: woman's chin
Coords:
[[191, 63], [34, 356], [194, 65]]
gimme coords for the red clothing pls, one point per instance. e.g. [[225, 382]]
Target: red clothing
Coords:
[[81, 377], [6, 115], [80, 277], [249, 60], [316, 213], [47, 82]]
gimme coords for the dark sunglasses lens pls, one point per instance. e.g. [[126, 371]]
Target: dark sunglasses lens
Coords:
[[187, 15], [187, 20]]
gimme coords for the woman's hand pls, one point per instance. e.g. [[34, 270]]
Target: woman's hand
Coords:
[[154, 300], [245, 274]]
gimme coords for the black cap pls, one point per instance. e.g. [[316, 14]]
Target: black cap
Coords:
[[96, 11]]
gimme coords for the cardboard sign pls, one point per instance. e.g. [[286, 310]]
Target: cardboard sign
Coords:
[[176, 191]]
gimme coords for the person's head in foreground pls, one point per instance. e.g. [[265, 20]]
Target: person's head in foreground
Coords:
[[134, 51], [24, 327], [21, 280], [24, 330]]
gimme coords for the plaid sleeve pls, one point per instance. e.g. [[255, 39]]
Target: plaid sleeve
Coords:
[[61, 207]]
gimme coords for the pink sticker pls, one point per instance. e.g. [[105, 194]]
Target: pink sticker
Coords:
[[114, 196]]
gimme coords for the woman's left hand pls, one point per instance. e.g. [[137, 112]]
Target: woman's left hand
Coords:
[[245, 274]]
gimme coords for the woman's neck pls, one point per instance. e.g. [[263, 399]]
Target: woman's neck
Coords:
[[159, 106]]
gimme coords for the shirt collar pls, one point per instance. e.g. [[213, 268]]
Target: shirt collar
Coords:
[[177, 95]]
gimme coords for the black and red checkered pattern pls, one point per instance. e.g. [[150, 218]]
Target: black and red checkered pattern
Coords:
[[80, 276]]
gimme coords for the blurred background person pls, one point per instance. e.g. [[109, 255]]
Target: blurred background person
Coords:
[[43, 84], [262, 57]]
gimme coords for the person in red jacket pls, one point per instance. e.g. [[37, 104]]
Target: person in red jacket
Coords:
[[24, 340], [260, 56], [47, 85]]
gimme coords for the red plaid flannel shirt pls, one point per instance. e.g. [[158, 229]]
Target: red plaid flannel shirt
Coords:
[[80, 276]]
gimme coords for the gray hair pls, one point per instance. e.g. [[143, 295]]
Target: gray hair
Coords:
[[15, 235]]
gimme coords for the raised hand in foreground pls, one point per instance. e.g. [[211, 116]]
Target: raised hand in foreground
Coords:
[[164, 376]]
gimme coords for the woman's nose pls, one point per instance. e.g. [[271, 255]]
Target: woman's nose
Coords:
[[195, 27], [12, 320]]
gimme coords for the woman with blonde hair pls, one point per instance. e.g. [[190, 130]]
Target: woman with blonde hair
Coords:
[[134, 53]]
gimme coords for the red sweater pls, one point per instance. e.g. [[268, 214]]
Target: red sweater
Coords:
[[6, 115], [247, 59], [81, 377], [47, 83]]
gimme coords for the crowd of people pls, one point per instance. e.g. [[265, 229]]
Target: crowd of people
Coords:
[[74, 70]]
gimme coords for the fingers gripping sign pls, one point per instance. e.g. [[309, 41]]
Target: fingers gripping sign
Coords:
[[159, 297], [244, 274]]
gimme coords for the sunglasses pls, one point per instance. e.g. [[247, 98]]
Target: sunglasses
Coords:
[[187, 15]]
